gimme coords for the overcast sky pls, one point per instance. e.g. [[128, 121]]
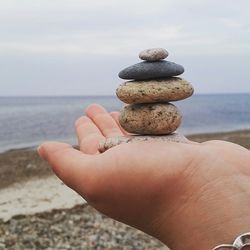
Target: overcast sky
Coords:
[[77, 47]]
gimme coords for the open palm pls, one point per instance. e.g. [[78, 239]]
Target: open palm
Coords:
[[165, 189]]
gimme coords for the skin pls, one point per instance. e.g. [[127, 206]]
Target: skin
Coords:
[[182, 194]]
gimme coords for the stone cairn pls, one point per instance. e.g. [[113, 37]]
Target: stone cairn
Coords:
[[149, 115]]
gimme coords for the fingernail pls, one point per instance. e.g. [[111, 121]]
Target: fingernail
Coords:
[[41, 152]]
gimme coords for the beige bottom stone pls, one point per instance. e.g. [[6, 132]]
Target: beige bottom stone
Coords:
[[114, 141]]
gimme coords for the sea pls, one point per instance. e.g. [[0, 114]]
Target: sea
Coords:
[[29, 121]]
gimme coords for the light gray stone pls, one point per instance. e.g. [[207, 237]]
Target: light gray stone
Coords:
[[150, 119], [151, 91], [151, 70], [154, 54], [115, 141]]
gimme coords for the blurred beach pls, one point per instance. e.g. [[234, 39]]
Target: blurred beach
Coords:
[[58, 57], [38, 212]]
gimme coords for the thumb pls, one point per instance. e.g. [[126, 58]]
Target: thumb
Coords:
[[77, 170]]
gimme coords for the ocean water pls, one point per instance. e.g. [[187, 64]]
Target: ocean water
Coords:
[[29, 121]]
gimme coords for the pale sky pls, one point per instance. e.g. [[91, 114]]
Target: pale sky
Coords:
[[77, 47]]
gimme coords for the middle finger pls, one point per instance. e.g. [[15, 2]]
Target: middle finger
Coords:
[[103, 120]]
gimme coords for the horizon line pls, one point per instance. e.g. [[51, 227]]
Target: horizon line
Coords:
[[113, 95]]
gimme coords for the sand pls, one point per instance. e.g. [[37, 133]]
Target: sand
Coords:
[[241, 137], [36, 196]]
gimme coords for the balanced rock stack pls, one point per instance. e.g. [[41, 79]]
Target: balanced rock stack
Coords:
[[153, 84]]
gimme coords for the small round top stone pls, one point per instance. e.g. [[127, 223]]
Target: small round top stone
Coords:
[[154, 54]]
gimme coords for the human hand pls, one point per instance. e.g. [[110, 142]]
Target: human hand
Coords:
[[183, 194]]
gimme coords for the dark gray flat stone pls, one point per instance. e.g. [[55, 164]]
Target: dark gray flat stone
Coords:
[[151, 70]]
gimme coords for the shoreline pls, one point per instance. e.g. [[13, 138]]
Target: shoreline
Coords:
[[240, 137], [236, 131], [192, 135], [21, 165], [199, 134]]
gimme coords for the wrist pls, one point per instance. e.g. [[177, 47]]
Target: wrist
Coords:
[[208, 222], [204, 239], [224, 234]]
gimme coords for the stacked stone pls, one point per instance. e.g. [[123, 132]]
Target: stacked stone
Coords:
[[153, 85]]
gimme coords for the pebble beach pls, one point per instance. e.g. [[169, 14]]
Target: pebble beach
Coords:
[[38, 212]]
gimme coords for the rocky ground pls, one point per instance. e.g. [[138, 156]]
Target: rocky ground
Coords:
[[80, 227]]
